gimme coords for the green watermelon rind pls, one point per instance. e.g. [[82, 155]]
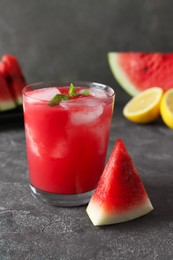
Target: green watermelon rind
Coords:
[[7, 105], [120, 75], [10, 104], [19, 100], [99, 216]]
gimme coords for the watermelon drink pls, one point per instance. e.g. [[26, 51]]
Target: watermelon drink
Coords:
[[66, 139]]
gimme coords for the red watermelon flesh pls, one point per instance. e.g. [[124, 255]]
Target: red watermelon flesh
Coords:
[[15, 80], [137, 71], [6, 100], [120, 195]]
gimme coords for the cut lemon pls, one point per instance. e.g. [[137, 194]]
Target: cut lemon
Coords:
[[144, 107], [166, 108]]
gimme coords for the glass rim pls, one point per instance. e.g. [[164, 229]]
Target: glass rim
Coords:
[[66, 83]]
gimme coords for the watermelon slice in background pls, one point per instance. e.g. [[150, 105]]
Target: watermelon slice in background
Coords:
[[11, 70], [120, 195], [6, 100], [137, 71]]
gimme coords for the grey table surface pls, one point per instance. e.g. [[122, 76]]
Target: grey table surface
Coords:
[[32, 230]]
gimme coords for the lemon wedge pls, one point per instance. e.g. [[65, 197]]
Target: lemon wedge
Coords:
[[144, 107], [166, 108]]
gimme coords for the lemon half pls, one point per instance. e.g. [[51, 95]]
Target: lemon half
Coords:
[[144, 107], [166, 108]]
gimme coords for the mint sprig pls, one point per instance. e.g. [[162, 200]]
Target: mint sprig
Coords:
[[71, 93]]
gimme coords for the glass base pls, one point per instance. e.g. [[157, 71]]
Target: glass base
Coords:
[[61, 200]]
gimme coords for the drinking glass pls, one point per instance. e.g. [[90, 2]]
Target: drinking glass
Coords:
[[67, 142]]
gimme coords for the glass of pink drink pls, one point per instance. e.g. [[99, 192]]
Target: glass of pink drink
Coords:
[[66, 142]]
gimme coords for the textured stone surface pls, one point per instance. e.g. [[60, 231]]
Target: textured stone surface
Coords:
[[32, 230]]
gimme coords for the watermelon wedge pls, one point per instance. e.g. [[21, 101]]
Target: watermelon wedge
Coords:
[[137, 71], [10, 69], [6, 100], [120, 195]]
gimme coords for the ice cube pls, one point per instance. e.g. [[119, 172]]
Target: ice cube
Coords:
[[89, 111], [44, 94], [31, 142], [99, 93]]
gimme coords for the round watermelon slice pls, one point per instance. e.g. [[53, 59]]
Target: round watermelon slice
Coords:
[[137, 71], [120, 195]]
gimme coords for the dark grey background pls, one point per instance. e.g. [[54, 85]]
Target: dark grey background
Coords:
[[57, 40]]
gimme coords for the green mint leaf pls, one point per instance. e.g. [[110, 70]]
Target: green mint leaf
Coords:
[[72, 90], [57, 99], [86, 92]]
